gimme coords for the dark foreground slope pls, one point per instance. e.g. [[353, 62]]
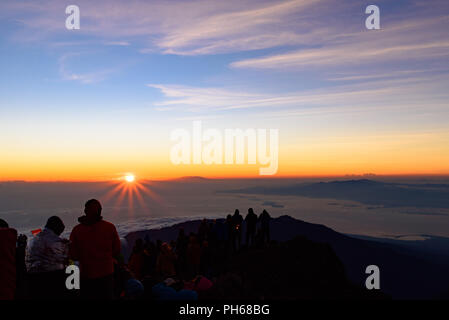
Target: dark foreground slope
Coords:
[[402, 275], [291, 270]]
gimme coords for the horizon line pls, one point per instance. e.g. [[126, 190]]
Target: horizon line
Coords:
[[257, 177]]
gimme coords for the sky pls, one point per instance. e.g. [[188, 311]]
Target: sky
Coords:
[[100, 102]]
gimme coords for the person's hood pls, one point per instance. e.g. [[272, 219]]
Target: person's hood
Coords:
[[89, 220], [49, 233]]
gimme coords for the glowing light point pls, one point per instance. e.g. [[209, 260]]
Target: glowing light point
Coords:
[[130, 178]]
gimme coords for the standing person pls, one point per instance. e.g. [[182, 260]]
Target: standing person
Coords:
[[264, 219], [203, 231], [95, 244], [136, 260], [193, 255], [251, 222], [166, 261], [46, 259], [228, 233], [8, 238], [181, 250], [237, 221], [21, 269]]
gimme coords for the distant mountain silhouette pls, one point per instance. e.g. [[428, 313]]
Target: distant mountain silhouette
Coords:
[[404, 274], [432, 247], [191, 178], [365, 191]]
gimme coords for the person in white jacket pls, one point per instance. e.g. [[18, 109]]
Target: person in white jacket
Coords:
[[46, 260]]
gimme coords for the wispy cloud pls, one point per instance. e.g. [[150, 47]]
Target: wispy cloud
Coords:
[[346, 55], [324, 32], [257, 26], [86, 77], [417, 91], [117, 43], [180, 27], [419, 39]]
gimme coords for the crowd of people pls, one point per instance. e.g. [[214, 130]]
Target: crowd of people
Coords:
[[183, 269]]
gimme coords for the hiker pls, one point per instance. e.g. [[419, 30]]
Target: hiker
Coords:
[[181, 250], [219, 233], [264, 219], [211, 234], [150, 258], [193, 255], [203, 231], [206, 258], [46, 260], [8, 238], [166, 261], [251, 223], [95, 243], [237, 221], [136, 260], [228, 233]]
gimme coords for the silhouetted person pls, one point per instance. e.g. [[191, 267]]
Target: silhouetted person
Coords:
[[218, 230], [21, 270], [181, 250], [3, 224], [193, 255], [206, 259], [251, 223], [166, 261], [46, 260], [237, 221], [12, 257], [264, 219], [203, 231], [150, 258], [8, 238], [136, 260], [95, 243], [212, 234], [158, 246], [228, 234]]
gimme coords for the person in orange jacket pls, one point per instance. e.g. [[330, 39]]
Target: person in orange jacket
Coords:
[[95, 244], [8, 238]]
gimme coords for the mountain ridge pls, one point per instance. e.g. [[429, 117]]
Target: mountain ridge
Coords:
[[403, 275]]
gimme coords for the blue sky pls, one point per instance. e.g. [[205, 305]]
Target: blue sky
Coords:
[[309, 67]]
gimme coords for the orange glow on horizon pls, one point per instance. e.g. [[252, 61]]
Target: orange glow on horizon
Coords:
[[383, 155]]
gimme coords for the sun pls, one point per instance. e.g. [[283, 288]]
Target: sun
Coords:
[[130, 178]]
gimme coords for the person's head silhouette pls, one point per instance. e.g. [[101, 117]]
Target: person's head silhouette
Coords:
[[3, 224], [55, 224], [250, 210], [236, 212], [92, 208]]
